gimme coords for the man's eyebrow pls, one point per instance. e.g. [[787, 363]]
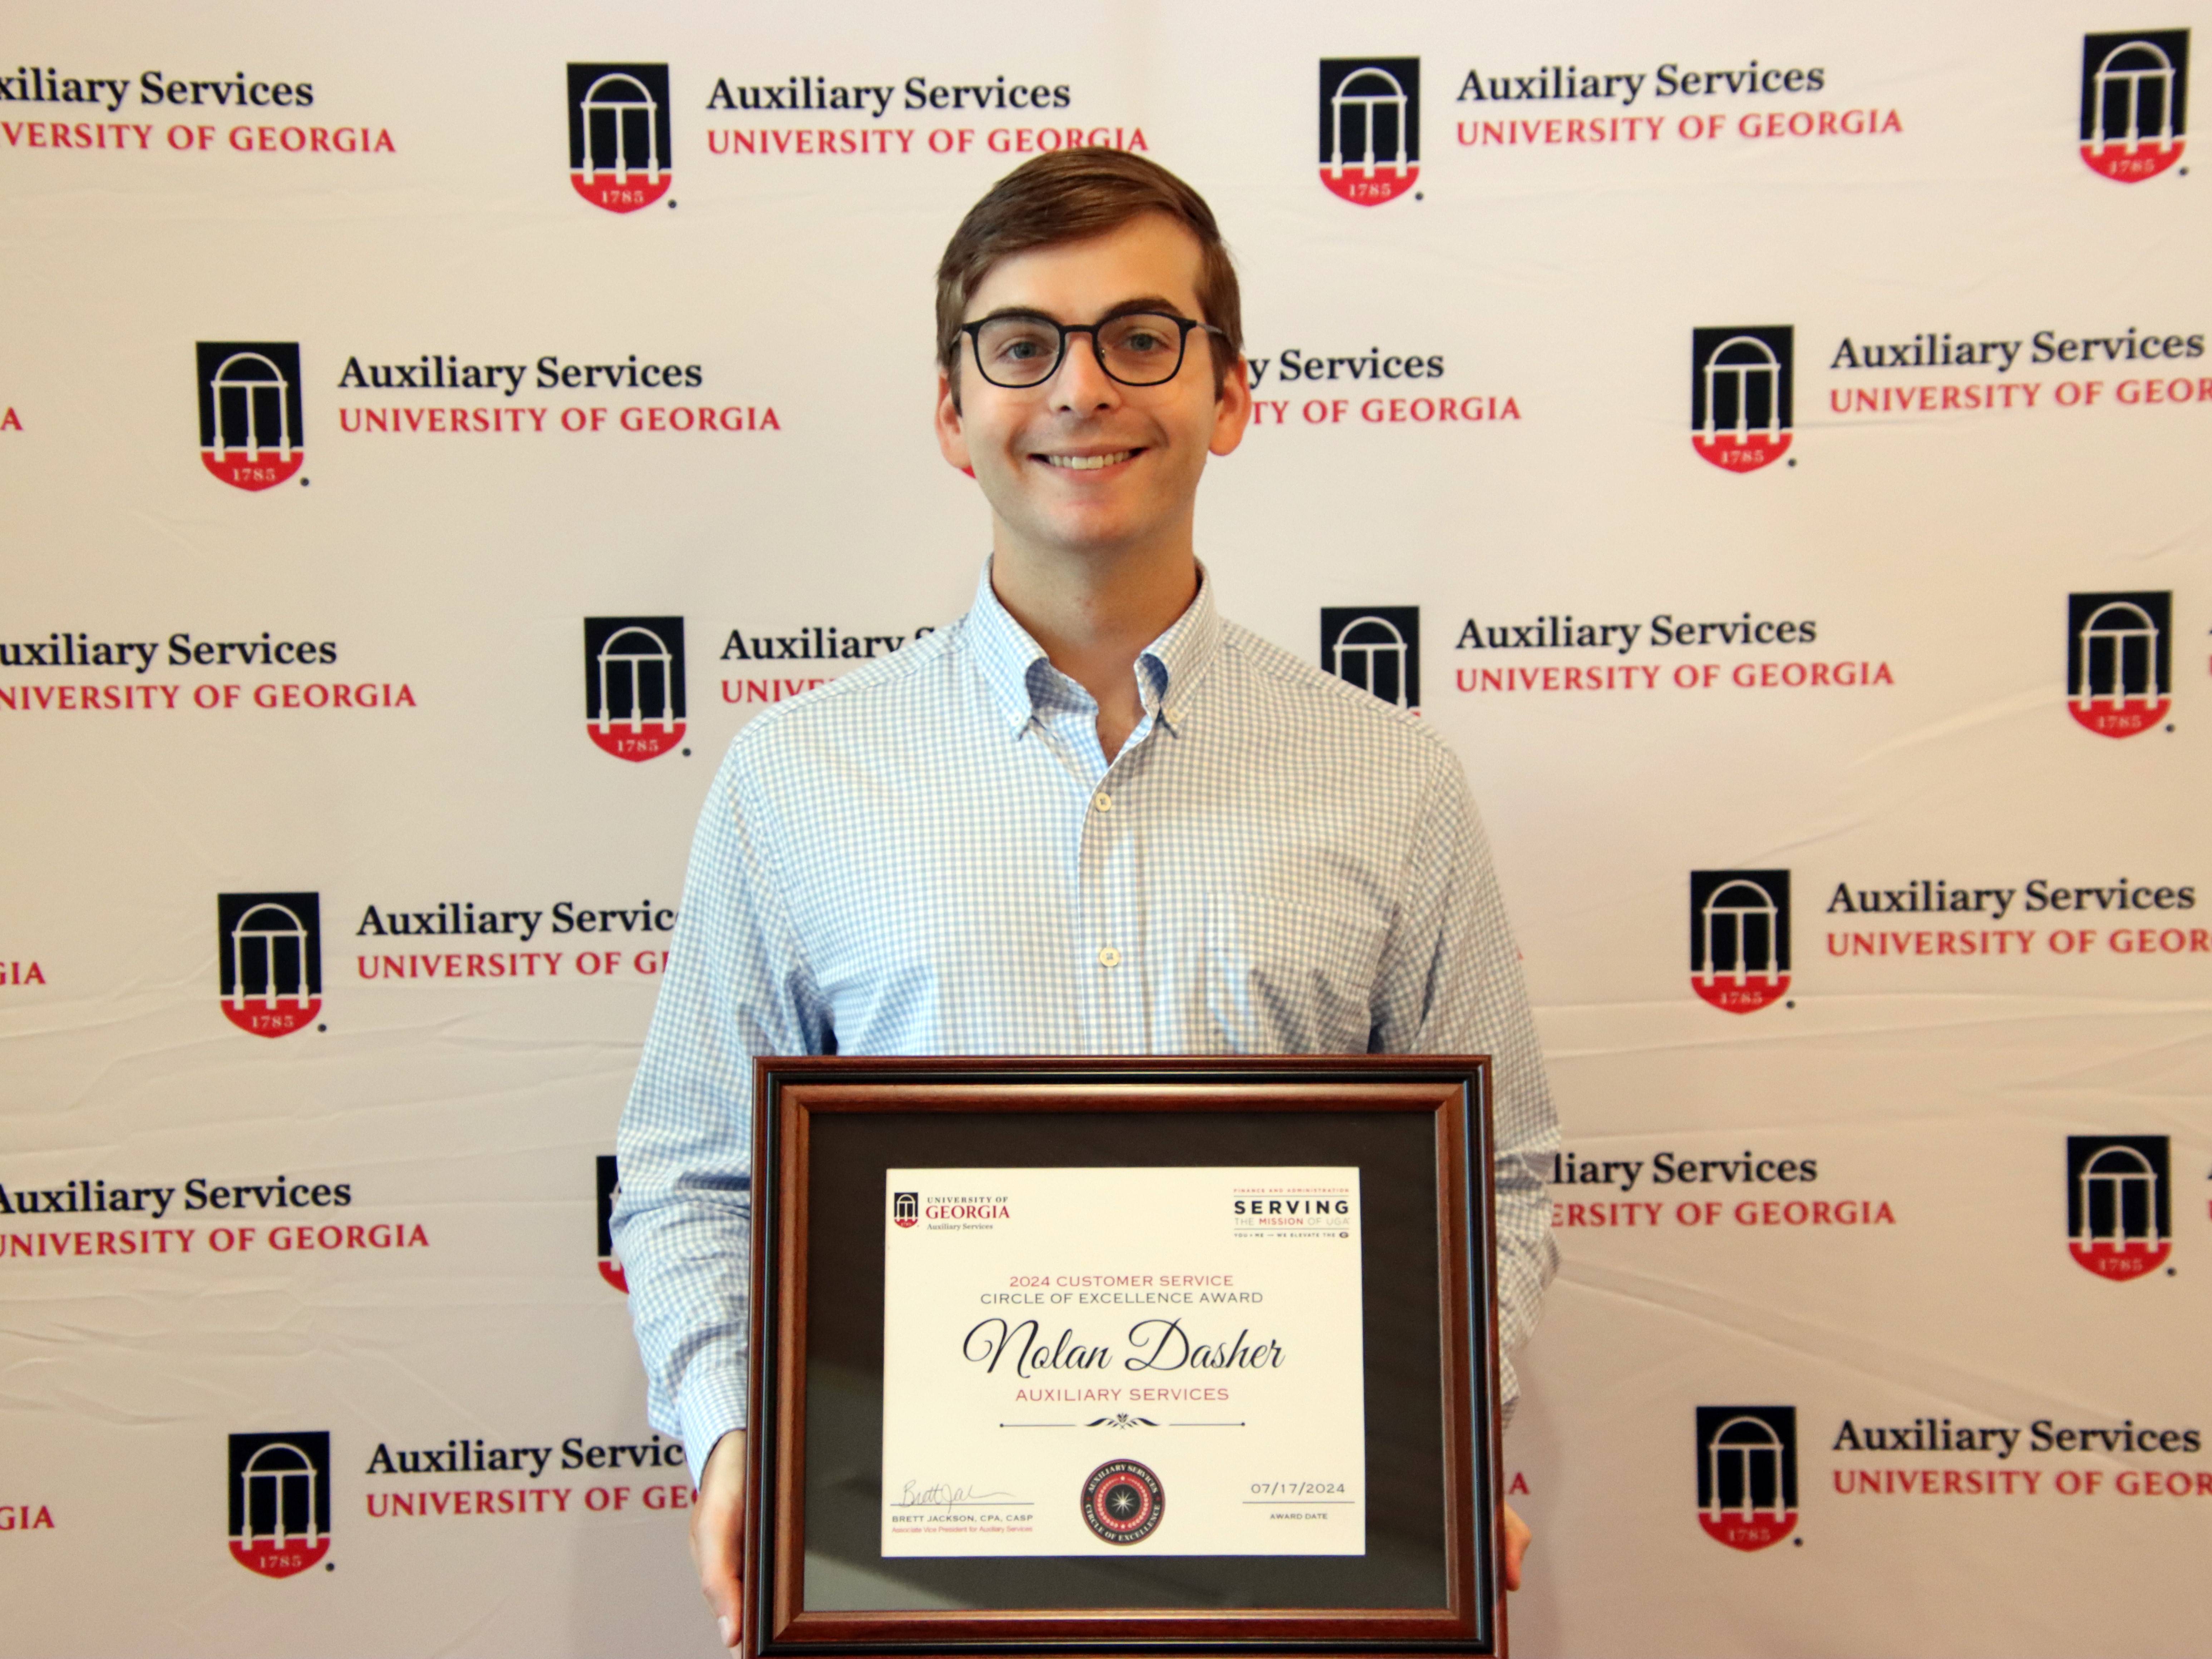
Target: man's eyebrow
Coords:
[[1142, 302]]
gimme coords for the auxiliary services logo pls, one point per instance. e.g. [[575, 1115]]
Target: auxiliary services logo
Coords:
[[1377, 648], [610, 1267], [1122, 1502], [251, 433], [1741, 381], [1747, 1473], [2119, 660], [618, 149], [280, 1501], [1370, 127], [271, 946], [634, 684], [1740, 938], [2135, 100], [906, 1208], [2119, 1206]]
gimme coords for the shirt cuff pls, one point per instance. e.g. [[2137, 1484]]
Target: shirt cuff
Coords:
[[711, 1407]]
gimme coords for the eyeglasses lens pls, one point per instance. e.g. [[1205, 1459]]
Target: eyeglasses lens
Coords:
[[1016, 351]]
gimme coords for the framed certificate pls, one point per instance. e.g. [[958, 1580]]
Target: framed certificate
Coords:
[[1098, 1356]]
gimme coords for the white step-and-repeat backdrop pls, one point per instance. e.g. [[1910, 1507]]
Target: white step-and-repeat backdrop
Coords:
[[1770, 443]]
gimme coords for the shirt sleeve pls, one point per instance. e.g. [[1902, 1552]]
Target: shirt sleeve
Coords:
[[737, 986], [1451, 984]]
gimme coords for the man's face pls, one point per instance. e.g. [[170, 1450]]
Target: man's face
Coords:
[[1083, 463]]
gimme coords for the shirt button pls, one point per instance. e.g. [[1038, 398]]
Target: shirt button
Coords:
[[1109, 958], [1102, 801], [1172, 711]]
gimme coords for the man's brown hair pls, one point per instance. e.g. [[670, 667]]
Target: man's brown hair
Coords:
[[1069, 196]]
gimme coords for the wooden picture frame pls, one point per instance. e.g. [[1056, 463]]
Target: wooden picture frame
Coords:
[[1419, 1128]]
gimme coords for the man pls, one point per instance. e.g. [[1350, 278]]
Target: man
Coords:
[[1091, 818]]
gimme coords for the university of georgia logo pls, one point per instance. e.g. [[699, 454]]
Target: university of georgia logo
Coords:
[[1377, 648], [1740, 938], [1370, 127], [272, 946], [1747, 1473], [1741, 381], [1122, 1502], [634, 684], [280, 1501], [610, 1267], [906, 1208], [2119, 660], [250, 434], [2119, 1214], [2135, 98], [618, 134]]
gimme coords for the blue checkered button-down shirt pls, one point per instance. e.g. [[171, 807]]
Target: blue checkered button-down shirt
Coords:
[[931, 856]]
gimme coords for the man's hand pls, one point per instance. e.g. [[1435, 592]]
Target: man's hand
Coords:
[[1516, 1544], [718, 1517]]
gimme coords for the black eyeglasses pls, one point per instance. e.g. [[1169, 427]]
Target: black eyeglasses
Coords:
[[1137, 348]]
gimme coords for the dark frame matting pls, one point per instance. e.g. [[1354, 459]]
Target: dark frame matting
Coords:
[[795, 1098]]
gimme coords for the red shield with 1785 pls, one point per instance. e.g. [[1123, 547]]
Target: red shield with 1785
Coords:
[[2119, 660], [1743, 382], [251, 427], [2134, 102], [1370, 128], [634, 684], [618, 134], [609, 1183], [270, 949], [1748, 1474], [1740, 938], [2119, 1204], [280, 1501]]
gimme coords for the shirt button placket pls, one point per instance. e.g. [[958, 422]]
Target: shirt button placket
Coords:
[[1124, 992], [1093, 850]]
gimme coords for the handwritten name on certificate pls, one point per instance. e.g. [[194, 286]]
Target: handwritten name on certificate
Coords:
[[1080, 1362]]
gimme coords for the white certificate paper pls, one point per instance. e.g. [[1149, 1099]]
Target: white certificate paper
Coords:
[[1085, 1362]]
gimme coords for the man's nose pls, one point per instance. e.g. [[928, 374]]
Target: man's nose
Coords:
[[1082, 384]]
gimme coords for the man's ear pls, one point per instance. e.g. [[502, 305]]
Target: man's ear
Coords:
[[951, 435], [1232, 409]]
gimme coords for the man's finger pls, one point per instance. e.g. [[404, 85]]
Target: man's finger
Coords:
[[717, 1524], [720, 1578], [1516, 1544]]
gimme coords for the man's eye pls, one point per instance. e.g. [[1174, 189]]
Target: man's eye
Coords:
[[1019, 345]]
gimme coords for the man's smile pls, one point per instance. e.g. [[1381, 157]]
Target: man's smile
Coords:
[[1077, 463]]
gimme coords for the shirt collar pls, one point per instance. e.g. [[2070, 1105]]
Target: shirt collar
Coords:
[[1019, 675], [1170, 667]]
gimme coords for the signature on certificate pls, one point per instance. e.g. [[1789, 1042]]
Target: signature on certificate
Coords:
[[943, 1494]]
